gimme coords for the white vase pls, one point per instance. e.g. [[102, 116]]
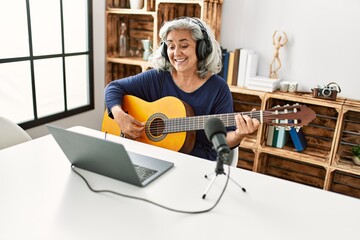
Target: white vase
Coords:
[[146, 45], [356, 160], [136, 4]]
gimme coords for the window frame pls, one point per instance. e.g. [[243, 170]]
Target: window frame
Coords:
[[31, 58]]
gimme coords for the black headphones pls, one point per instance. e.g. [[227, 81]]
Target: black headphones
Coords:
[[203, 46]]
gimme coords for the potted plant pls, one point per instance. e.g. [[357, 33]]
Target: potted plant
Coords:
[[356, 154]]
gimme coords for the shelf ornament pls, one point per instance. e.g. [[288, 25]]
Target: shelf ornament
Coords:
[[279, 40]]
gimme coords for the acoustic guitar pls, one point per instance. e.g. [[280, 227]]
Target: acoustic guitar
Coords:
[[170, 123]]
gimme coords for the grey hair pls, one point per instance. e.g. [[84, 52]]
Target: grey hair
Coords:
[[211, 64]]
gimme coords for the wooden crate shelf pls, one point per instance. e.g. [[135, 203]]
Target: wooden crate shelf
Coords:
[[124, 6], [326, 162], [245, 102], [311, 155], [145, 24], [306, 98], [345, 183], [349, 137], [320, 133], [117, 71], [208, 10], [130, 61], [166, 11], [246, 159], [289, 169], [138, 27]]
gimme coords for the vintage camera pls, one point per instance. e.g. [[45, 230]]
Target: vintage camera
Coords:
[[328, 91]]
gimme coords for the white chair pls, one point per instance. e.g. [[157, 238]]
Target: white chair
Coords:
[[235, 157], [11, 133]]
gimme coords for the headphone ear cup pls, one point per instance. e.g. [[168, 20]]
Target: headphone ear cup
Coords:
[[202, 50], [164, 51]]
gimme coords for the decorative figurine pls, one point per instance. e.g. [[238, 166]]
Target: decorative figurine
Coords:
[[278, 42]]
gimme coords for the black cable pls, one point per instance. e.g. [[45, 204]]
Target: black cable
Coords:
[[154, 203]]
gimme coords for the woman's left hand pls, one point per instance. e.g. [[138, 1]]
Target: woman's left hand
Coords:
[[245, 125]]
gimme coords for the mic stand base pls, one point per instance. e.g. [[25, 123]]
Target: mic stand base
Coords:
[[213, 180]]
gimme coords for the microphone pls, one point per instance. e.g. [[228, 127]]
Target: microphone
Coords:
[[216, 133]]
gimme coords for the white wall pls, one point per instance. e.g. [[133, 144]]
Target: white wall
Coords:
[[324, 45], [91, 119], [324, 39]]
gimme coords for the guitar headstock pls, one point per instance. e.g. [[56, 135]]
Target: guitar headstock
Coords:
[[295, 115]]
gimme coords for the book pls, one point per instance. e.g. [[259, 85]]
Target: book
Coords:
[[226, 65], [223, 53], [262, 83], [230, 68], [298, 138], [242, 66], [236, 67], [275, 136], [270, 135], [282, 137], [251, 67]]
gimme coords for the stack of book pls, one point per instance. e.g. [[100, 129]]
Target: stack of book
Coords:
[[278, 137], [240, 69], [235, 68], [263, 84]]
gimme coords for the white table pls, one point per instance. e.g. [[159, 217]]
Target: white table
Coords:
[[42, 198]]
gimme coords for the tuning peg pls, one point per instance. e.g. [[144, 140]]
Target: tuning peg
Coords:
[[276, 106]]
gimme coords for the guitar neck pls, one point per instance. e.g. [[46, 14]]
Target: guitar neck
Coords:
[[198, 122]]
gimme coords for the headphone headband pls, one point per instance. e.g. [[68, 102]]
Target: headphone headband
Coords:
[[199, 23], [203, 46]]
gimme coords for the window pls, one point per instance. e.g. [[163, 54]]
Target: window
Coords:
[[46, 65]]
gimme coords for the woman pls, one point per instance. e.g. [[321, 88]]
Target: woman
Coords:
[[185, 66]]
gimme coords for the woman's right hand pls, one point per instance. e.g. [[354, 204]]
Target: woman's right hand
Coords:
[[129, 126]]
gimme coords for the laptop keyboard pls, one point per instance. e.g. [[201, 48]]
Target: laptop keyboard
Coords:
[[144, 172]]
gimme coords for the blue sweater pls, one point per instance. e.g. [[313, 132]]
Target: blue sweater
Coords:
[[213, 97]]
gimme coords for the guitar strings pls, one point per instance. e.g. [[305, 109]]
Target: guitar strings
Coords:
[[197, 122], [200, 120]]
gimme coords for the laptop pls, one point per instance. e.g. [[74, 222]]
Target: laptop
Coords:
[[108, 158]]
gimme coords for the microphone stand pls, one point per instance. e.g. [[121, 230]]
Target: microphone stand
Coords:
[[219, 170]]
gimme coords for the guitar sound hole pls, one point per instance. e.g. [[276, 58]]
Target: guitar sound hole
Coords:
[[157, 127]]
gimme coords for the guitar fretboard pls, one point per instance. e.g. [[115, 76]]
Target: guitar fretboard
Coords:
[[198, 122]]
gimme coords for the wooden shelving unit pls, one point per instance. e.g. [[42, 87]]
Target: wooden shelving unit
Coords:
[[344, 174], [145, 24], [326, 162]]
